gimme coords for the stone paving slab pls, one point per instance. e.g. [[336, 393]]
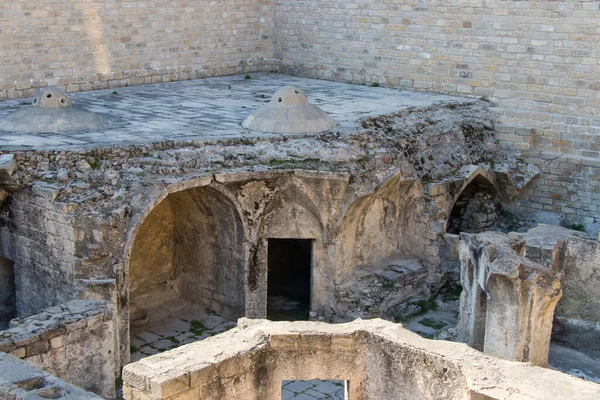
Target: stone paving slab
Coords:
[[208, 109], [178, 323], [312, 390]]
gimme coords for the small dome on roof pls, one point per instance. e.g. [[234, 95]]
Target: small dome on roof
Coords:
[[289, 112], [51, 112]]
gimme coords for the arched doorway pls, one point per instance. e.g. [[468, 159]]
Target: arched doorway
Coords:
[[477, 208], [186, 271]]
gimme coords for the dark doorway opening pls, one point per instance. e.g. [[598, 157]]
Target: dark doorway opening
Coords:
[[7, 292], [288, 288]]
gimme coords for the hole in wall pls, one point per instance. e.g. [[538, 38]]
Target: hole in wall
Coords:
[[7, 292], [63, 100], [315, 389], [34, 101], [297, 91], [49, 95], [289, 279], [279, 99]]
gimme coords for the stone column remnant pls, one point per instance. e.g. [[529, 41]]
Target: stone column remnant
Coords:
[[508, 301]]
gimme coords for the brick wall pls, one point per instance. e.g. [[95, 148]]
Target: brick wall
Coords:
[[537, 59], [87, 44]]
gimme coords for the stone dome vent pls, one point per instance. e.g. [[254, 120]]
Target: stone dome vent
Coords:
[[51, 112], [52, 97], [289, 112]]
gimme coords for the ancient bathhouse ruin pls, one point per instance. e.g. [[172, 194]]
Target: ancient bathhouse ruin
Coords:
[[282, 200]]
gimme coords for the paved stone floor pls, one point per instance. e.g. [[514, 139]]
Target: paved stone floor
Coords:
[[311, 390], [209, 108], [172, 325]]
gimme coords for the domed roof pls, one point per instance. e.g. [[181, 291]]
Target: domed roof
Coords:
[[51, 112], [289, 112]]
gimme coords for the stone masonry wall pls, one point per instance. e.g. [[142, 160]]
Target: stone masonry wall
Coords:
[[37, 234], [59, 338], [20, 379], [84, 45], [537, 59]]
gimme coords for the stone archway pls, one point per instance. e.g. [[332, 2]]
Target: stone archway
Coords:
[[476, 208], [187, 258]]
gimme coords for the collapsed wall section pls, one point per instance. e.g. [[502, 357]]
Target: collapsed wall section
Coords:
[[537, 60]]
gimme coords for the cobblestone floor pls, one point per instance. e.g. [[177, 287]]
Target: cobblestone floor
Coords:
[[208, 109], [311, 390], [174, 324]]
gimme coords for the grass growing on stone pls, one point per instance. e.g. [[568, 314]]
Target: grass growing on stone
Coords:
[[432, 323], [375, 84], [577, 227], [426, 306], [173, 339], [197, 327], [133, 349], [247, 77]]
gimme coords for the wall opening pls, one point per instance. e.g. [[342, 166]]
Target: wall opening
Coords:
[[477, 208], [7, 292], [315, 389], [186, 271], [289, 279]]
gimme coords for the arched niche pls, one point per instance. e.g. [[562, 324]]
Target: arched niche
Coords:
[[189, 247], [476, 208]]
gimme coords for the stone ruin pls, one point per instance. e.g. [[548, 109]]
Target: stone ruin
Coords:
[[125, 266]]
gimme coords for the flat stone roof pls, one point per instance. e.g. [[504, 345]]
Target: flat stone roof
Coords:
[[208, 109]]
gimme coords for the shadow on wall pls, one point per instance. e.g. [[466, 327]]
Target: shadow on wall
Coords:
[[190, 246], [7, 292]]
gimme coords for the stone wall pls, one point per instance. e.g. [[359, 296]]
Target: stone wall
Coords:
[[74, 341], [84, 45], [37, 234], [20, 379], [536, 59], [252, 360]]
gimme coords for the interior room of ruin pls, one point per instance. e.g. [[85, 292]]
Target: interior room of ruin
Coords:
[[286, 200]]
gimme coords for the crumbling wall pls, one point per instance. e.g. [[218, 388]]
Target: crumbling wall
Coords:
[[512, 52], [20, 379], [74, 341], [38, 235], [270, 181], [381, 360]]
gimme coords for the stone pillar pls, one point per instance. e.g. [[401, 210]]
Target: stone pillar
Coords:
[[514, 318]]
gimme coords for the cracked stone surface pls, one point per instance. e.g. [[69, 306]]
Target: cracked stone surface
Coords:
[[211, 108]]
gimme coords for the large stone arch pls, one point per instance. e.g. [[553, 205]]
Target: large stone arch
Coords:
[[188, 243], [377, 225]]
